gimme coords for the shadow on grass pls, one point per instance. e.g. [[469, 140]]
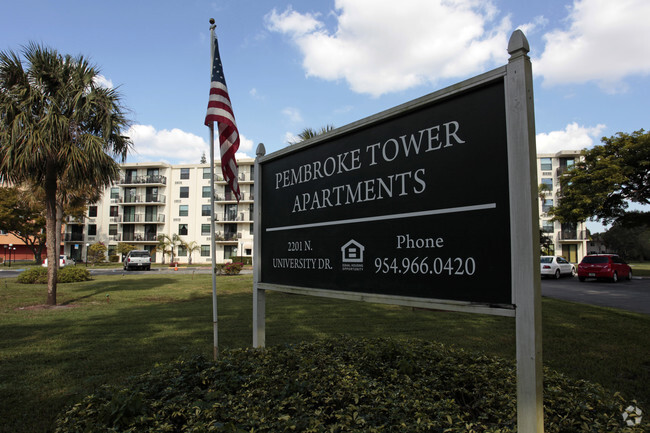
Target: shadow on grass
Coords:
[[101, 287], [51, 359]]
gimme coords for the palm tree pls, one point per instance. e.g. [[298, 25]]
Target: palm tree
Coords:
[[57, 127], [190, 247], [309, 133], [164, 245]]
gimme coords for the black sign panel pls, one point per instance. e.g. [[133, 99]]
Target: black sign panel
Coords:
[[413, 205]]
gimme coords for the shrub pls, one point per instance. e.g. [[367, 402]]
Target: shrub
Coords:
[[114, 258], [340, 385], [33, 276], [229, 268], [68, 274], [73, 274]]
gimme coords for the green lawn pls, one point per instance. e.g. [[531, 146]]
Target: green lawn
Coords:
[[52, 357]]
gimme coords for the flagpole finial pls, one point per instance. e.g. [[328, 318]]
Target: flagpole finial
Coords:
[[212, 24]]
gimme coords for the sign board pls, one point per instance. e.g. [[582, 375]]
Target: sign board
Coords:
[[412, 204], [430, 204]]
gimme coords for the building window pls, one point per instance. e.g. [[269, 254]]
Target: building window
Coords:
[[546, 164], [182, 229], [205, 229], [251, 229], [185, 173], [547, 226], [185, 191], [92, 229], [205, 210], [206, 172], [547, 205], [229, 251], [114, 211], [112, 229], [115, 193], [92, 211], [548, 182], [183, 210], [182, 251], [205, 250], [205, 192]]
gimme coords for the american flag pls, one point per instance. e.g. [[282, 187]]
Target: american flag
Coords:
[[220, 111]]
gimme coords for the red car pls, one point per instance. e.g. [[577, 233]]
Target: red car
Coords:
[[608, 266]]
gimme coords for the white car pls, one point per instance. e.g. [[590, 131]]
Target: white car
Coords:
[[556, 266], [63, 261]]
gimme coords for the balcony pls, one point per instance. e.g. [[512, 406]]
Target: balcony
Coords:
[[73, 237], [140, 218], [141, 199], [153, 179], [572, 235], [227, 237], [138, 237]]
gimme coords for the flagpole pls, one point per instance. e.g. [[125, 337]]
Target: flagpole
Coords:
[[213, 215]]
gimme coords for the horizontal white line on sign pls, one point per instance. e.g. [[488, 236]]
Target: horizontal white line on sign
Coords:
[[388, 217]]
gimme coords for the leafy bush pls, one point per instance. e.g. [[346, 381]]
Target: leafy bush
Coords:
[[67, 274], [229, 268], [73, 274], [114, 258], [340, 385], [33, 276]]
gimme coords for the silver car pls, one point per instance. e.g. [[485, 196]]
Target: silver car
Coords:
[[556, 266]]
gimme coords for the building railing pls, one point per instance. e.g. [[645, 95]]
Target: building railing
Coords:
[[227, 237], [73, 237], [572, 235], [138, 237], [139, 180], [138, 198]]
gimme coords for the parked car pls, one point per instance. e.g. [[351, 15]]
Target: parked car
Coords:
[[608, 266], [63, 261], [556, 266], [137, 259]]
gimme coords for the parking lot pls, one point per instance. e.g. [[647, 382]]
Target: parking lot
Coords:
[[627, 295]]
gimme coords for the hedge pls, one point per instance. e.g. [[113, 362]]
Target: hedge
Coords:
[[64, 275], [341, 385]]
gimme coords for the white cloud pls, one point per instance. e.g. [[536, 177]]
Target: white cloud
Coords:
[[173, 146], [293, 114], [379, 48], [573, 137], [290, 137], [102, 81], [605, 42]]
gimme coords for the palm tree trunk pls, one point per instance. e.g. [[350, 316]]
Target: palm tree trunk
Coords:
[[50, 230]]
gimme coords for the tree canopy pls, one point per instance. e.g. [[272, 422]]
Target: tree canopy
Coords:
[[610, 176], [24, 218], [58, 128], [309, 133]]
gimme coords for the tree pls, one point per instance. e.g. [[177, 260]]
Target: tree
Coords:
[[24, 218], [57, 127], [204, 160], [96, 253], [611, 175], [629, 236], [166, 245], [309, 133], [190, 247], [124, 248]]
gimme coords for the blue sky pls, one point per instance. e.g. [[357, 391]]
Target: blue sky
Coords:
[[310, 63]]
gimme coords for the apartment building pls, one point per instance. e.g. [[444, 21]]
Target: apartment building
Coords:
[[568, 239], [156, 198]]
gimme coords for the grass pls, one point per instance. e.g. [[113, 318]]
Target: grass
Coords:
[[640, 269], [52, 357]]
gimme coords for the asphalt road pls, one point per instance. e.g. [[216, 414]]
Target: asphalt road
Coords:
[[627, 295]]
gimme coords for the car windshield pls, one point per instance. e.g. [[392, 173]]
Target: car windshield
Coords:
[[139, 254], [547, 260], [595, 259]]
